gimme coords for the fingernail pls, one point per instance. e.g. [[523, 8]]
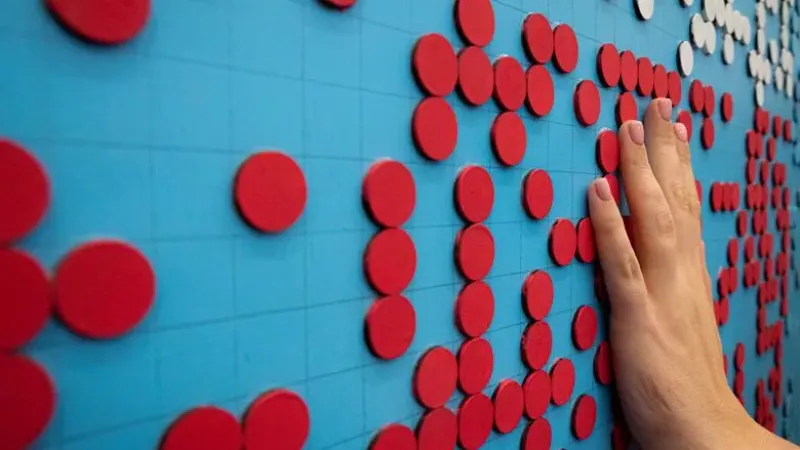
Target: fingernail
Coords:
[[636, 132], [665, 109], [680, 132], [602, 189]]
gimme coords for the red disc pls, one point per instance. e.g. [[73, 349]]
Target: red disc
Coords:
[[586, 244], [749, 248], [777, 126], [475, 365], [584, 327], [508, 406], [538, 294], [278, 420], [270, 191], [699, 189], [394, 437], [435, 377], [475, 309], [645, 77], [726, 107], [537, 344], [584, 416], [537, 38], [752, 139], [586, 102], [736, 196], [538, 435], [660, 82], [629, 70], [675, 89], [390, 261], [475, 252], [537, 390], [733, 251], [25, 299], [563, 242], [771, 149], [750, 172], [738, 356], [764, 168], [613, 185], [707, 133], [608, 69], [475, 20], [787, 131], [607, 149], [565, 48], [697, 96], [438, 429], [24, 192], [685, 117], [562, 376], [101, 21], [717, 197], [474, 194], [724, 310], [538, 194], [603, 369], [626, 108], [339, 4], [204, 427], [709, 102], [435, 65], [435, 128], [541, 91], [509, 83], [390, 326], [475, 76], [475, 420], [92, 274], [28, 401], [509, 138], [389, 193]]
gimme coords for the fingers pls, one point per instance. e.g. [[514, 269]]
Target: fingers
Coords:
[[693, 226]]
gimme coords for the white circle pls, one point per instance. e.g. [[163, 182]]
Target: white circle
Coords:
[[789, 88], [785, 13], [709, 9], [784, 36], [731, 21], [685, 58], [761, 42], [698, 31], [645, 8], [747, 31], [711, 38], [720, 14], [773, 51], [752, 64], [779, 79], [759, 94], [761, 15], [738, 25], [785, 60], [767, 72], [727, 49]]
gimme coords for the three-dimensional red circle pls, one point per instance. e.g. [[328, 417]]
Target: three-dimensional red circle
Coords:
[[24, 192], [390, 261], [435, 377], [475, 76], [540, 90], [586, 103], [435, 128], [629, 70], [437, 429], [537, 38], [537, 344], [394, 437], [509, 138], [475, 21], [475, 251], [565, 48], [28, 404], [584, 327], [435, 65], [562, 378], [537, 390], [509, 404], [584, 416], [607, 151], [475, 365], [474, 193], [390, 326], [509, 83], [608, 67], [538, 294], [475, 309], [563, 242], [100, 21], [204, 427], [278, 419], [475, 420], [586, 244], [538, 194], [25, 299], [389, 193]]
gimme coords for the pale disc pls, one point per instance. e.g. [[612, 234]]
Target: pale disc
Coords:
[[685, 58], [752, 64], [698, 31], [645, 8], [759, 94], [761, 42], [727, 49], [709, 10]]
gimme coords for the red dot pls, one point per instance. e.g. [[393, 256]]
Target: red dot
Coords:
[[509, 138], [394, 437], [28, 401], [475, 20], [645, 73], [509, 83], [390, 326], [707, 133], [584, 327], [24, 192], [474, 194], [475, 364], [787, 131], [660, 82], [389, 193], [25, 301], [724, 310], [537, 390], [751, 143], [586, 244], [674, 88], [709, 101], [475, 309], [435, 128], [438, 429], [339, 4], [204, 427], [733, 251], [475, 419], [750, 172], [699, 188], [626, 108], [538, 194], [277, 420], [475, 252], [586, 102], [94, 273], [562, 376], [475, 76], [777, 127], [603, 369], [565, 48], [749, 248], [608, 69], [771, 149], [537, 38], [613, 185], [435, 65], [537, 344], [584, 416], [390, 261], [607, 149], [540, 91], [629, 70], [537, 293], [101, 21], [685, 118], [697, 96], [727, 107], [435, 377], [563, 242], [538, 435], [508, 406]]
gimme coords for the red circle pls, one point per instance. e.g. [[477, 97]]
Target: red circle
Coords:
[[584, 416], [509, 83], [751, 143], [608, 69], [697, 96], [538, 294], [538, 435], [563, 242], [724, 309], [613, 185], [24, 192], [475, 76], [645, 73], [389, 193], [607, 149], [475, 20], [749, 248], [726, 107], [475, 365], [438, 429], [25, 300], [277, 420], [435, 128], [733, 251], [537, 344], [565, 48], [738, 356], [629, 70], [28, 401], [660, 82], [435, 65], [475, 251], [777, 126], [709, 102], [787, 131], [394, 437], [475, 309], [584, 327], [562, 376], [626, 108], [750, 171], [540, 91], [685, 118], [717, 197], [764, 168], [771, 149], [390, 326], [204, 427], [390, 261], [474, 194], [96, 272], [435, 377], [537, 390], [586, 244], [508, 406], [538, 194], [603, 369], [675, 89], [509, 138], [707, 133], [475, 420], [101, 21], [537, 37], [340, 4], [586, 102], [270, 191]]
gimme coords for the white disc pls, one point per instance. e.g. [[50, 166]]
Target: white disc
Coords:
[[698, 31], [645, 8], [759, 94], [709, 10], [773, 51], [785, 13], [761, 15], [731, 21], [738, 25], [761, 42], [685, 58], [727, 49], [784, 36], [711, 38], [720, 16], [747, 31], [790, 87], [785, 60], [779, 79], [767, 72], [752, 64]]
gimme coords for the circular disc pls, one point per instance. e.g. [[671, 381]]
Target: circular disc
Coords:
[[675, 89], [390, 261], [389, 193], [537, 392], [562, 376], [586, 102], [435, 128], [608, 67], [278, 420], [390, 326], [25, 299], [685, 58], [586, 243], [508, 406], [538, 435], [509, 83], [707, 133], [475, 420], [435, 65], [626, 108], [584, 327], [540, 90], [24, 192], [475, 252], [101, 21], [475, 365], [584, 416], [563, 242], [435, 377], [726, 107], [28, 401], [645, 8], [660, 82], [509, 138], [475, 309], [475, 20], [607, 148], [697, 96], [629, 70], [538, 294], [709, 102], [565, 48], [537, 37], [645, 71], [475, 76], [698, 31], [538, 194], [438, 429], [537, 344], [474, 194], [204, 427], [603, 370], [394, 437]]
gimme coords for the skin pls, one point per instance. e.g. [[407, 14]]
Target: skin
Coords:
[[667, 351]]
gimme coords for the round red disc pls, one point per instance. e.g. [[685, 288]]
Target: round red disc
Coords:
[[586, 244], [538, 435], [787, 131], [28, 401], [707, 133], [537, 391], [24, 192], [608, 69], [777, 126], [509, 83], [394, 437], [540, 91], [607, 149], [749, 248], [603, 369], [475, 365], [509, 138], [475, 309], [270, 191], [645, 73], [435, 377], [538, 194], [764, 168], [733, 251], [626, 108], [724, 309], [438, 429], [584, 416], [390, 326], [750, 172], [751, 142], [674, 87], [204, 427], [390, 261], [435, 65], [101, 21], [562, 376], [508, 406], [537, 38], [697, 96], [475, 76], [586, 102], [537, 344], [538, 294], [278, 419], [738, 356], [339, 4], [95, 272], [25, 299], [771, 149], [475, 20], [685, 117], [474, 194], [389, 193], [565, 48], [563, 242], [629, 70], [475, 420], [717, 197], [709, 102], [660, 82], [435, 128], [584, 327], [613, 185], [475, 251], [726, 107], [741, 223]]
